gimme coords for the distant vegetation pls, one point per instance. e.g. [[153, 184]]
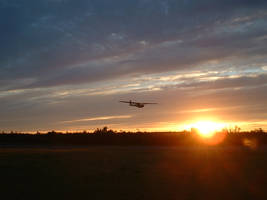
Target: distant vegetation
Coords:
[[105, 136]]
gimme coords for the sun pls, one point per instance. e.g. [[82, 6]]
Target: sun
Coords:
[[207, 128]]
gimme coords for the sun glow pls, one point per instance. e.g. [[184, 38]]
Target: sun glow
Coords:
[[207, 128]]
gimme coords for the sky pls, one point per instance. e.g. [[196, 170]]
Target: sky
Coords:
[[66, 64]]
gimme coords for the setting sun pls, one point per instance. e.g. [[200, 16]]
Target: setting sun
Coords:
[[207, 128]]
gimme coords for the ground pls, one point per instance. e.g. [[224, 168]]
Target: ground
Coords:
[[133, 173]]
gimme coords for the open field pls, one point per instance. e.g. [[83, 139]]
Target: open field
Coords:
[[105, 172]]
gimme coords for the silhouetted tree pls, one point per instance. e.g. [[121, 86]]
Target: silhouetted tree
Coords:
[[104, 130], [52, 133]]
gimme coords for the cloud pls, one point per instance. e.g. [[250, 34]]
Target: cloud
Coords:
[[229, 83], [96, 40], [99, 118]]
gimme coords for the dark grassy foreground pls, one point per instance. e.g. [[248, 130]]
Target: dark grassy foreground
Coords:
[[133, 173]]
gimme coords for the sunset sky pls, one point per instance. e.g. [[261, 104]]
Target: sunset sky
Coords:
[[66, 64]]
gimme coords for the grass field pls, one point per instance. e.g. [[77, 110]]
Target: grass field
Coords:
[[133, 173]]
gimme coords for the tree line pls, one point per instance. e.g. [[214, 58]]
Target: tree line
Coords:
[[105, 136]]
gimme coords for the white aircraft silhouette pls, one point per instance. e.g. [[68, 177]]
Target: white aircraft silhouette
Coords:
[[136, 104]]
